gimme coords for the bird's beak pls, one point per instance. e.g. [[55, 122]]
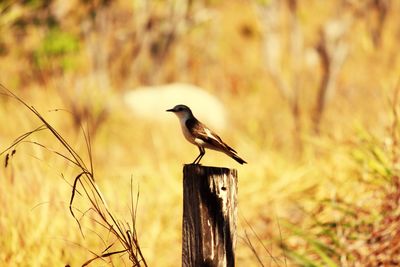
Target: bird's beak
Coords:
[[170, 110]]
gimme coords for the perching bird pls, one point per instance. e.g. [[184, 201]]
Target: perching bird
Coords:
[[198, 134]]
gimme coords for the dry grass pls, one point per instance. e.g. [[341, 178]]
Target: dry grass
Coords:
[[123, 234]]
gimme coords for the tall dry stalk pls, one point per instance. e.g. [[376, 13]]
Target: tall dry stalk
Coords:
[[124, 232]]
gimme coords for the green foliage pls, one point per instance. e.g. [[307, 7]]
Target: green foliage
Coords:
[[37, 3], [339, 223], [263, 2], [58, 46], [59, 43], [323, 254], [8, 15], [372, 155]]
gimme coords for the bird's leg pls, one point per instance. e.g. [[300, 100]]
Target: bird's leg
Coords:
[[194, 162], [202, 152]]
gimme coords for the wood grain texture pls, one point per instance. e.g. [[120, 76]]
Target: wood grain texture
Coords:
[[209, 216]]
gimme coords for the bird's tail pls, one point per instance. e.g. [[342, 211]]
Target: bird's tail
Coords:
[[237, 158]]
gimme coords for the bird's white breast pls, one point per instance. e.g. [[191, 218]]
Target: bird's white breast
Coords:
[[186, 132]]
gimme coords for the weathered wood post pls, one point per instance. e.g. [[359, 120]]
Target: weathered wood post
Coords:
[[209, 216]]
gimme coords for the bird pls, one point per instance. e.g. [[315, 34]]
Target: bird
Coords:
[[200, 135]]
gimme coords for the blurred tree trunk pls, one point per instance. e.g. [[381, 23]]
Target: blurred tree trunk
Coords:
[[382, 8], [332, 51], [331, 48], [273, 43], [156, 35], [372, 12]]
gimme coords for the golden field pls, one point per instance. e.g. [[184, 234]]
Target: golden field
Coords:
[[311, 92]]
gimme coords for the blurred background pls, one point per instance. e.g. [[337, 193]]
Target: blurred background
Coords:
[[305, 91]]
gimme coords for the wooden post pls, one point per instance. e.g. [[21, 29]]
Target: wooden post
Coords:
[[209, 216]]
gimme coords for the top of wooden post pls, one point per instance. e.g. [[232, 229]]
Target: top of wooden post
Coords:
[[210, 169]]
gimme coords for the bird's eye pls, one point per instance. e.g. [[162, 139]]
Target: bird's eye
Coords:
[[180, 109]]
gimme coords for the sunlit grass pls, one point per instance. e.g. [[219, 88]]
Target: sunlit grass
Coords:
[[270, 185]]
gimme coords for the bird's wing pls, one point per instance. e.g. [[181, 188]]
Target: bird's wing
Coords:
[[201, 131]]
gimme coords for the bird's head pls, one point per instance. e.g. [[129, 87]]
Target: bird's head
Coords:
[[182, 111]]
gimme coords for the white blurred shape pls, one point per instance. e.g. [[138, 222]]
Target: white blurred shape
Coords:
[[151, 103]]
